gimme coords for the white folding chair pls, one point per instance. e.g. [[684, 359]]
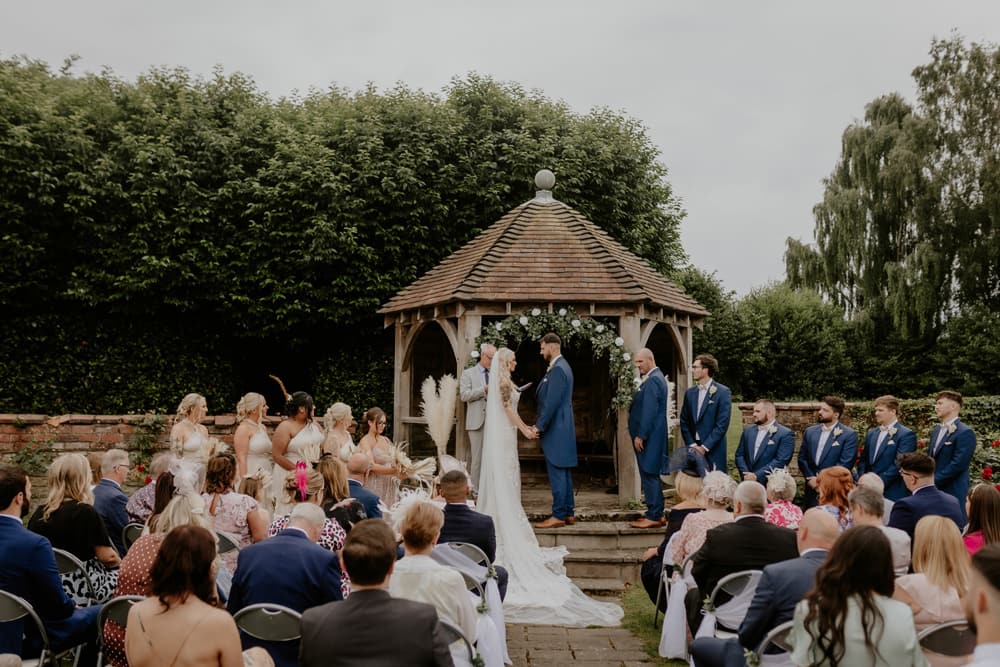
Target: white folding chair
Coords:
[[778, 638], [471, 551], [69, 565], [226, 543], [724, 619], [666, 572], [269, 622], [452, 634], [115, 609], [953, 639]]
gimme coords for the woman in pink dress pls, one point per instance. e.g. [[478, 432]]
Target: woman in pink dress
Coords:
[[781, 490], [232, 513], [982, 506], [940, 576], [718, 489]]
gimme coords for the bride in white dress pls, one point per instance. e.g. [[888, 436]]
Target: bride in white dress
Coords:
[[538, 591]]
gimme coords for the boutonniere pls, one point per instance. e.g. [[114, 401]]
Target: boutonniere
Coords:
[[837, 431], [892, 431], [952, 428], [712, 390], [773, 429]]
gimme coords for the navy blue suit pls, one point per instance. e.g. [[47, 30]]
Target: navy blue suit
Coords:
[[28, 569], [925, 501], [708, 428], [464, 524], [776, 451], [903, 441], [647, 419], [555, 423], [840, 450], [368, 499], [287, 569], [110, 502], [951, 461], [782, 586]]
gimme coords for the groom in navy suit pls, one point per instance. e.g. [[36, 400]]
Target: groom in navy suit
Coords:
[[647, 424], [883, 444], [705, 415], [764, 446], [556, 429], [952, 445], [829, 443]]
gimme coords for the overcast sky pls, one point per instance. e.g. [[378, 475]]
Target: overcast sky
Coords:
[[746, 100]]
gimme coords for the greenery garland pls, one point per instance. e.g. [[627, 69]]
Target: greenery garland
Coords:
[[604, 339]]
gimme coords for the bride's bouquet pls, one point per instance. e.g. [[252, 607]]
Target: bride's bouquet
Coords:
[[422, 470]]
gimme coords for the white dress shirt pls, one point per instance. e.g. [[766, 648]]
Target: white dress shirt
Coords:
[[422, 579]]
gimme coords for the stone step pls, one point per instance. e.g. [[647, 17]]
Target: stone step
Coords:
[[604, 588], [621, 565], [599, 535], [588, 515]]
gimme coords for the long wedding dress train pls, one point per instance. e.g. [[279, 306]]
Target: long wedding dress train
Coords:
[[538, 591]]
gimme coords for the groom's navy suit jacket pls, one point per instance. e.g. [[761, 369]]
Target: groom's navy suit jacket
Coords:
[[884, 465], [839, 450], [555, 415], [776, 451], [647, 419], [708, 427], [951, 461]]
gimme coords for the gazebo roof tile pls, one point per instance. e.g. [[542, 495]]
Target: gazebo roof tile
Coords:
[[542, 251]]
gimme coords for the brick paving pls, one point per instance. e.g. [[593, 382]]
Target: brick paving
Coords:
[[555, 646]]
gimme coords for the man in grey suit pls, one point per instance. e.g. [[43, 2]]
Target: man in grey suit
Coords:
[[369, 627], [472, 390]]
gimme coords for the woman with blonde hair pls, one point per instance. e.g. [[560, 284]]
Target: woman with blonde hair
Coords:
[[70, 522], [188, 437], [337, 501], [833, 485], [940, 576], [718, 493], [251, 444], [338, 441], [781, 490]]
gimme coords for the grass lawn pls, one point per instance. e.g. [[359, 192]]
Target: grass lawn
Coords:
[[639, 621]]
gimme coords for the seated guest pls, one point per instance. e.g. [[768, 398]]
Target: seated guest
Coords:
[[982, 608], [688, 487], [782, 586], [717, 490], [70, 522], [866, 510], [419, 578], [134, 574], [849, 618], [833, 485], [109, 499], [257, 485], [306, 486], [358, 468], [288, 569], [140, 504], [747, 543], [917, 470], [872, 481], [983, 509], [181, 625], [940, 576], [162, 495], [232, 513], [94, 460], [781, 509], [464, 524], [337, 501], [358, 630], [28, 570], [765, 445]]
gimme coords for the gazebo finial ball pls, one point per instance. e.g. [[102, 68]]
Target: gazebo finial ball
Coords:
[[545, 179]]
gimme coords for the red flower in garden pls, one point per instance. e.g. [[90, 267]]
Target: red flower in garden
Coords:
[[921, 444], [996, 443], [988, 474], [148, 479]]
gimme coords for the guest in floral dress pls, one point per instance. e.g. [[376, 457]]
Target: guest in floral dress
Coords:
[[232, 513], [718, 493], [833, 484], [781, 490]]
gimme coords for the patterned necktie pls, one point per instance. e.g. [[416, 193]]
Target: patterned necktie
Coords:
[[486, 376]]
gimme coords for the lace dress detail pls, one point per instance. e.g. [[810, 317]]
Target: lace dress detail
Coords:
[[305, 446], [538, 590]]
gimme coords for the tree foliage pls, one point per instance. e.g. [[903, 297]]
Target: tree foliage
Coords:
[[175, 234]]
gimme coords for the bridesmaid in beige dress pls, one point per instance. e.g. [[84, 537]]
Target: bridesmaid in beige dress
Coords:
[[339, 442], [383, 479], [251, 443], [189, 436], [297, 438]]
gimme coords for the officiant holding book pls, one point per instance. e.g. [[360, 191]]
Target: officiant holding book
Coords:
[[472, 391]]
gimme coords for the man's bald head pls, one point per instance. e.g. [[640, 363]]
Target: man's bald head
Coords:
[[358, 464], [644, 360], [818, 530]]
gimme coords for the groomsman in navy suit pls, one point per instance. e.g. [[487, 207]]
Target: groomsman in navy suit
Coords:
[[883, 444], [705, 414], [764, 446], [829, 443], [647, 424], [952, 445], [557, 430]]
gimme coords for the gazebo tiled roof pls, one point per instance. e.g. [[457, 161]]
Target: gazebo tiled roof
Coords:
[[544, 251]]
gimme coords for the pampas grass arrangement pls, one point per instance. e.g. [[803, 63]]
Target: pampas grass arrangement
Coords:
[[438, 408]]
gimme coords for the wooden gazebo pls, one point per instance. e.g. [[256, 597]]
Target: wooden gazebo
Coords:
[[543, 254]]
